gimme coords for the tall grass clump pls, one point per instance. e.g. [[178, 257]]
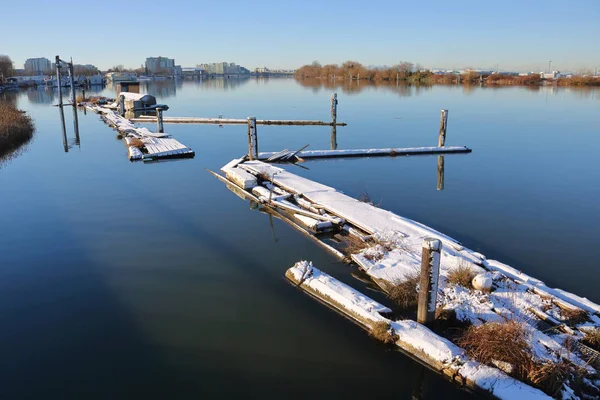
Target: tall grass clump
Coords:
[[461, 275], [383, 332], [404, 293], [16, 128]]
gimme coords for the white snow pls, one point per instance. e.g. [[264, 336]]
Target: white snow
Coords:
[[341, 293]]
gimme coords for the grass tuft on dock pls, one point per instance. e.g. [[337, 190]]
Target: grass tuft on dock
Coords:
[[462, 275], [405, 293], [383, 332], [16, 128]]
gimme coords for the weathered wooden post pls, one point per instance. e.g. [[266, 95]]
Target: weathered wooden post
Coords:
[[58, 82], [440, 173], [428, 284], [252, 139], [72, 78], [443, 127], [159, 120], [334, 103], [333, 141], [122, 105]]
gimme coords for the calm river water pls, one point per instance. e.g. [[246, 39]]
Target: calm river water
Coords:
[[122, 279]]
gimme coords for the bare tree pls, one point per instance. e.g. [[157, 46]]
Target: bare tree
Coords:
[[6, 66]]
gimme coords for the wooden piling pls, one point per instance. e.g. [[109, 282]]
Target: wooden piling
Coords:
[[440, 173], [252, 139], [58, 82], [159, 120], [334, 103], [122, 105], [430, 273], [333, 140], [72, 82], [443, 127]]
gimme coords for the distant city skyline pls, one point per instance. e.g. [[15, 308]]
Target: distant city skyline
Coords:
[[514, 36]]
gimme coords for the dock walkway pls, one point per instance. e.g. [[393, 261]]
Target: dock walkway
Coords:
[[154, 145]]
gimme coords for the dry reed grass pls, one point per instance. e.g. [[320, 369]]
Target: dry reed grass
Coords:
[[135, 142], [574, 316], [549, 376], [404, 293], [462, 275], [16, 128], [383, 332], [592, 339], [506, 342]]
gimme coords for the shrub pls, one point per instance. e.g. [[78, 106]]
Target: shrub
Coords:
[[383, 332], [16, 128]]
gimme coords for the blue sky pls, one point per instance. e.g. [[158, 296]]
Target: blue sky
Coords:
[[516, 35]]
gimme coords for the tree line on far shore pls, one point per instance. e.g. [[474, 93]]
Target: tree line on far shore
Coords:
[[407, 72]]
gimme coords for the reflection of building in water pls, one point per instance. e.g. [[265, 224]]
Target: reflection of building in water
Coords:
[[41, 95], [162, 89], [223, 83]]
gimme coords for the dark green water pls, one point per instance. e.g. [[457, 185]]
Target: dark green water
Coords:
[[122, 279]]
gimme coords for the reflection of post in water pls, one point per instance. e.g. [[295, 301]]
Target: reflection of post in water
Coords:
[[334, 137], [64, 129], [440, 173], [76, 125], [419, 391], [275, 240]]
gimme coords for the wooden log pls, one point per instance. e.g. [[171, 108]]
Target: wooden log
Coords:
[[252, 139], [443, 127], [430, 273], [440, 173]]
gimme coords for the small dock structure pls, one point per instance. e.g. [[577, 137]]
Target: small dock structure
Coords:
[[394, 251], [142, 144]]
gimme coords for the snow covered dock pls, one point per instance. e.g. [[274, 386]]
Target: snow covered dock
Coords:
[[391, 254], [414, 339], [142, 144]]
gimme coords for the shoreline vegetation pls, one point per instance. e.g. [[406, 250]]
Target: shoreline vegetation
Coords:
[[405, 73], [16, 129]]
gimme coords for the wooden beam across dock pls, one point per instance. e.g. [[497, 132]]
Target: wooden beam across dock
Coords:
[[233, 121], [390, 152]]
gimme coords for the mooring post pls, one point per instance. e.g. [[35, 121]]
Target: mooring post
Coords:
[[428, 284], [443, 127], [58, 82], [334, 103], [252, 139], [72, 78], [159, 120], [122, 105], [440, 173], [333, 140], [83, 93]]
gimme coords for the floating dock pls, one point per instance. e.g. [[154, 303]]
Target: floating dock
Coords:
[[142, 144], [390, 253]]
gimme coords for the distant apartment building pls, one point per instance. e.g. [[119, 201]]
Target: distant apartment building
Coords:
[[160, 65], [37, 65], [223, 68]]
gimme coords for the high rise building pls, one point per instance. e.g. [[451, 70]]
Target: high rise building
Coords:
[[161, 65], [37, 65]]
